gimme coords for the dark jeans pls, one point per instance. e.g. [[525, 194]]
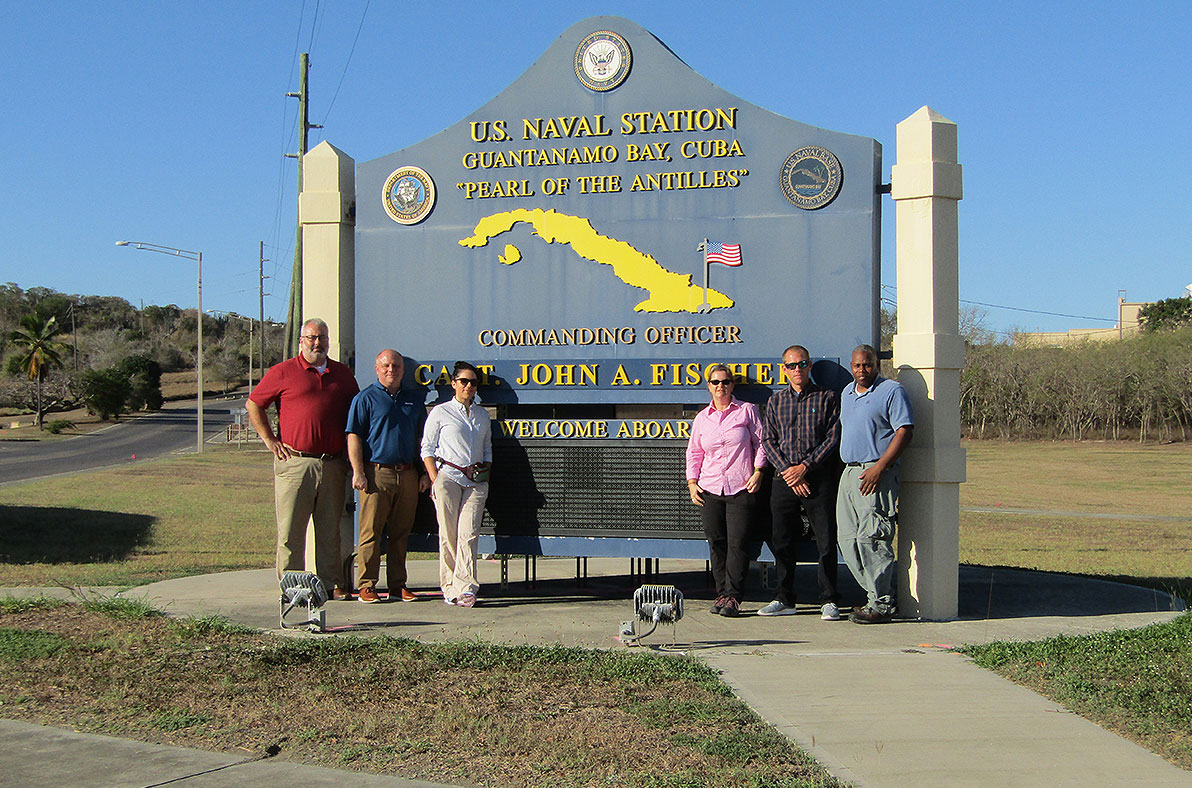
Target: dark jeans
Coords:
[[787, 509], [727, 520]]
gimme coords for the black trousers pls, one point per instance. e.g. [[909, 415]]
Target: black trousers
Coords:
[[787, 510], [727, 521]]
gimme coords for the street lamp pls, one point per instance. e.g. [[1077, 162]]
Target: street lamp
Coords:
[[198, 258]]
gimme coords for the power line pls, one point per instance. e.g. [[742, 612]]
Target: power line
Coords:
[[342, 76], [1037, 311], [314, 26], [1020, 309]]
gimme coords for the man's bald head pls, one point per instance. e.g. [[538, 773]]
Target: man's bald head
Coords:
[[390, 368]]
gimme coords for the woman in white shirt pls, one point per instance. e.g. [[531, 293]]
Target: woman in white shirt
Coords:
[[457, 450]]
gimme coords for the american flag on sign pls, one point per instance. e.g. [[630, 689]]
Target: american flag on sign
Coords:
[[725, 254]]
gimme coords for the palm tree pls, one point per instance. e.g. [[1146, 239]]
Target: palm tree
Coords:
[[41, 351]]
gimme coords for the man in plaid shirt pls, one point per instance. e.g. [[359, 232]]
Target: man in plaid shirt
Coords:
[[801, 437]]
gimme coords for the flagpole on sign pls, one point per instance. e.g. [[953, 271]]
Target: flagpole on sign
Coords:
[[705, 306]]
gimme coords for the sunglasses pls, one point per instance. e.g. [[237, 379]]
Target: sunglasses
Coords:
[[720, 382], [467, 381], [797, 364]]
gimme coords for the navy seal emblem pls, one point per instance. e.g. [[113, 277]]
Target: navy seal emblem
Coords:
[[811, 177], [409, 195], [602, 60]]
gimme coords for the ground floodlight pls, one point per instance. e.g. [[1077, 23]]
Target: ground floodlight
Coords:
[[656, 604], [304, 588]]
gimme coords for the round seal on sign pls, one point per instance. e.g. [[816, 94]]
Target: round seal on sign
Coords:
[[811, 177], [409, 195], [602, 60]]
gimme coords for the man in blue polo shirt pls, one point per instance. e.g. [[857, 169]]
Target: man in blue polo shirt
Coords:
[[384, 432], [876, 424]]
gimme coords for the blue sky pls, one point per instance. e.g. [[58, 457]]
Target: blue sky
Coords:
[[167, 122]]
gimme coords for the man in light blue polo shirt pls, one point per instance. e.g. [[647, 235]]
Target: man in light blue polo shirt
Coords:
[[876, 424]]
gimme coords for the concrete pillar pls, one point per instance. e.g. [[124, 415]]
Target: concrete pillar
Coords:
[[327, 215], [929, 354]]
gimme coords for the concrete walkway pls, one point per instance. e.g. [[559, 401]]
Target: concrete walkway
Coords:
[[880, 705]]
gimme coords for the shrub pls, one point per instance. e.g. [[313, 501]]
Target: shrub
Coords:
[[105, 392]]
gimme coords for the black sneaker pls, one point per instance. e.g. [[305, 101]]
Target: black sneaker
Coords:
[[731, 609], [717, 606]]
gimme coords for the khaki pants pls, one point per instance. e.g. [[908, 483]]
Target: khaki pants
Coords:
[[305, 487], [460, 510], [387, 507]]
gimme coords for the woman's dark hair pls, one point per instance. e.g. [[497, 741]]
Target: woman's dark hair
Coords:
[[460, 366]]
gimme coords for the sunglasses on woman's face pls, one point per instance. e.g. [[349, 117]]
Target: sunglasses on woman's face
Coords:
[[720, 382], [467, 381]]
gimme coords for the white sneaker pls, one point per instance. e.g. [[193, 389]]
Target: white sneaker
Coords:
[[777, 608], [829, 612]]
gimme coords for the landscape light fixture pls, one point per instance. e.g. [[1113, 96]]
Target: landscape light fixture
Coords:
[[198, 258], [306, 589], [657, 605]]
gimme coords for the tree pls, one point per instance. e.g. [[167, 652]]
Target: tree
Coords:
[[228, 364], [1165, 314], [40, 352], [144, 380], [974, 325], [106, 392]]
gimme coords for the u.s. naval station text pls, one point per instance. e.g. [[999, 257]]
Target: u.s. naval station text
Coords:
[[589, 132]]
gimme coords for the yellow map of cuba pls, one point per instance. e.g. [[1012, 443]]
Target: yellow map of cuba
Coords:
[[669, 291]]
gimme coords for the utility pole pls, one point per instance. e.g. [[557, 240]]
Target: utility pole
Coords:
[[261, 295], [74, 332], [294, 317]]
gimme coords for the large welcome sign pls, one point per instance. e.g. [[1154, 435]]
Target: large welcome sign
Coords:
[[612, 223]]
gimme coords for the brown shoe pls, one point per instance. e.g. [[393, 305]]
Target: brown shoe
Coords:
[[368, 595], [339, 595], [407, 595], [868, 615]]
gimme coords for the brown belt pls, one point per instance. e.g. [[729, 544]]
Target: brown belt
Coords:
[[310, 456], [400, 466]]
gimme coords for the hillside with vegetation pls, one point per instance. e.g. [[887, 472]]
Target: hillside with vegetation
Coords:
[[60, 351]]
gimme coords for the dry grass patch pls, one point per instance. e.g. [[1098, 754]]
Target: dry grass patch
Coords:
[[1061, 478], [140, 523], [1082, 477], [458, 712]]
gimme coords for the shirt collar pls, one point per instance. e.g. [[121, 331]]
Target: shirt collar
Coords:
[[307, 365], [733, 404], [852, 387], [382, 390], [811, 386]]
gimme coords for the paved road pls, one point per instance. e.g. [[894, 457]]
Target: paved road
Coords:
[[152, 435]]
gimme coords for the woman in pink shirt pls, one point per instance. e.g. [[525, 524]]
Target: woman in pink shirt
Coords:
[[724, 470]]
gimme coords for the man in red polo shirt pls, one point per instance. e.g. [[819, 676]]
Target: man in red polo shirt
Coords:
[[310, 467]]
